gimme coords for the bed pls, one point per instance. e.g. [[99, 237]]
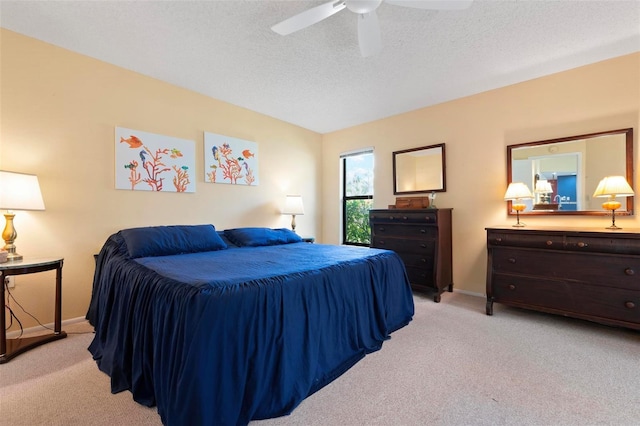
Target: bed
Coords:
[[224, 327]]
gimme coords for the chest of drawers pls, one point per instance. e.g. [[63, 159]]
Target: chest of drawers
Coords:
[[590, 274], [422, 239]]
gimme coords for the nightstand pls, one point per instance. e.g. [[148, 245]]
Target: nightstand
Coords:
[[10, 348], [308, 239]]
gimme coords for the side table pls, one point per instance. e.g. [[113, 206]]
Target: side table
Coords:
[[10, 348]]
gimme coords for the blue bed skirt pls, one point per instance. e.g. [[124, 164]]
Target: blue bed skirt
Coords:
[[239, 334]]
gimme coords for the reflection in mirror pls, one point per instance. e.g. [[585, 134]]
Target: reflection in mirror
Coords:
[[564, 173], [419, 170]]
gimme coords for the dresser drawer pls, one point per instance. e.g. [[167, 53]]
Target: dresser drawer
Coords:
[[420, 277], [416, 260], [549, 242], [603, 245], [389, 216], [401, 245], [558, 241], [531, 291], [619, 304], [603, 270], [424, 232]]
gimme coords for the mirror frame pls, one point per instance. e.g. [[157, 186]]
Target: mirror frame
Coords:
[[421, 191], [628, 211]]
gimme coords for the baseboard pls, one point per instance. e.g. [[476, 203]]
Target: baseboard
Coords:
[[470, 293], [38, 328]]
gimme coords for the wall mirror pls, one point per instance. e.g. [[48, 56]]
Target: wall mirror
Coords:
[[562, 174], [419, 170]]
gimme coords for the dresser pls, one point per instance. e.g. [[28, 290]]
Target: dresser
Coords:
[[592, 273], [422, 239]]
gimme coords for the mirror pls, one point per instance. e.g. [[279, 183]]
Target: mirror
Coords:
[[562, 174], [419, 170]]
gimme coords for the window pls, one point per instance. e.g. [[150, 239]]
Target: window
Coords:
[[357, 190]]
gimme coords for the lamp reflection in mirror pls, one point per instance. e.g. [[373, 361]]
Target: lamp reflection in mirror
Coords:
[[543, 187], [612, 187], [18, 191], [293, 206], [516, 192]]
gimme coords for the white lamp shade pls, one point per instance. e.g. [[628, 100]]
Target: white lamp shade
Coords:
[[517, 190], [19, 191], [613, 186], [293, 205]]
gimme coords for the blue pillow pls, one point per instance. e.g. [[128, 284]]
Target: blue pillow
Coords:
[[226, 240], [254, 237], [168, 240]]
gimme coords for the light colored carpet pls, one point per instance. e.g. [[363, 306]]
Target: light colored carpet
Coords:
[[452, 365]]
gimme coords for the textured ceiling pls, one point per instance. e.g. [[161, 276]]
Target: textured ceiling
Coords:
[[316, 78]]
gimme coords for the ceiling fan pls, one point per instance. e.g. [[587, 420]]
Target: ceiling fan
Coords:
[[368, 27]]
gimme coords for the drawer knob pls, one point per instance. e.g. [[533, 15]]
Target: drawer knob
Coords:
[[629, 305], [423, 260], [404, 218], [423, 245], [581, 244], [381, 242], [629, 271], [391, 218], [512, 260], [498, 240], [381, 229], [512, 287], [423, 231], [549, 242]]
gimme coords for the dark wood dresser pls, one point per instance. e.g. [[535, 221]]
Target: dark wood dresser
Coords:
[[422, 238], [592, 274]]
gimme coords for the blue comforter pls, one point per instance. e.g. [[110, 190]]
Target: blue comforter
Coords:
[[224, 337]]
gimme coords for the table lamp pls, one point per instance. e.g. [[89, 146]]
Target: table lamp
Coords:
[[612, 187], [515, 193], [18, 191], [293, 206]]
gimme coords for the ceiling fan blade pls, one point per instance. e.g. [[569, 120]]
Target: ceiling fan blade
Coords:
[[308, 17], [369, 34], [432, 4]]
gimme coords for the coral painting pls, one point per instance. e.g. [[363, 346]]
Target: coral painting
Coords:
[[230, 160], [150, 162]]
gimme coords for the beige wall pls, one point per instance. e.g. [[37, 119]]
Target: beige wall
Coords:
[[58, 114], [476, 130]]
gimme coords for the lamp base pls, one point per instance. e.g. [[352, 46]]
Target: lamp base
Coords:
[[9, 235], [612, 205], [14, 257], [518, 208]]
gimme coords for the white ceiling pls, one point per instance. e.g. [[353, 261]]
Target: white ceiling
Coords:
[[316, 78]]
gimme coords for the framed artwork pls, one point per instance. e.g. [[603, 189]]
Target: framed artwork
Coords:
[[230, 160], [150, 162]]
